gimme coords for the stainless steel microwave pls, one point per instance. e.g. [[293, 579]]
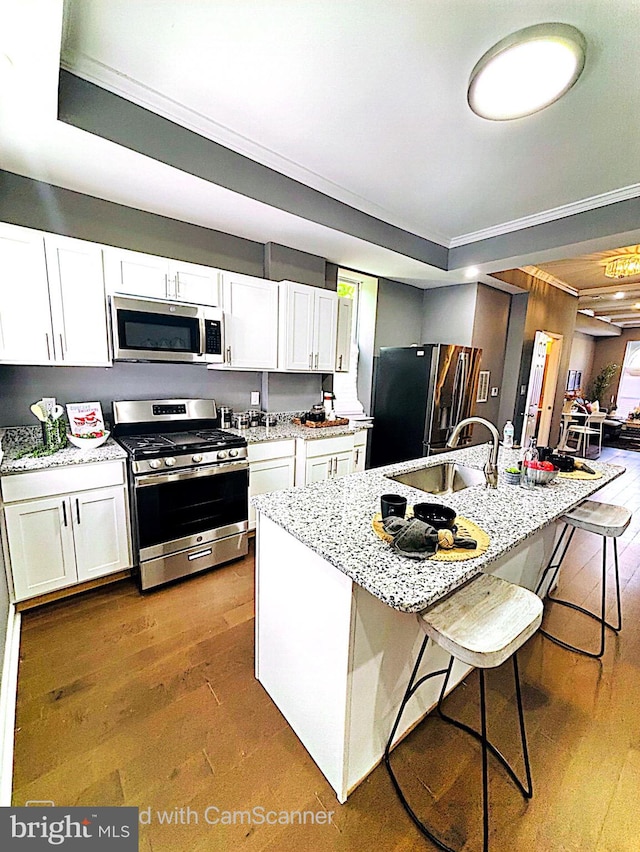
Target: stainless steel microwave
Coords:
[[160, 330]]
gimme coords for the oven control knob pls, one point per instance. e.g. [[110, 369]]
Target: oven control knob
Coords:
[[197, 458], [222, 455], [233, 454], [155, 463], [170, 461]]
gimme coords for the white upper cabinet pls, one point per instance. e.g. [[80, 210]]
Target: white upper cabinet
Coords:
[[52, 300], [140, 274], [324, 330], [26, 334], [78, 302], [250, 322], [308, 317], [136, 274], [195, 283], [343, 338]]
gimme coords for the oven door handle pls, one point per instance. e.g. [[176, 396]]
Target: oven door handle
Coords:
[[151, 479]]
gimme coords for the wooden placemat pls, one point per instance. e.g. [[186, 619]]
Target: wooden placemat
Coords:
[[466, 528], [579, 474]]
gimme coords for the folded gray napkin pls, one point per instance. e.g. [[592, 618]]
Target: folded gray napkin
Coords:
[[412, 537], [418, 540]]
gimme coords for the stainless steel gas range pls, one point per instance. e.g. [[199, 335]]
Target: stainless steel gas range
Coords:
[[189, 485]]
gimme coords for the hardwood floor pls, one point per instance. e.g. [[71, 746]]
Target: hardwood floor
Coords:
[[151, 701]]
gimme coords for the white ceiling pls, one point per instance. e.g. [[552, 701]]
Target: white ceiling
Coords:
[[364, 100]]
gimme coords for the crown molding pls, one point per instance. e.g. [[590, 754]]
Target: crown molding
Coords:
[[591, 203], [108, 78]]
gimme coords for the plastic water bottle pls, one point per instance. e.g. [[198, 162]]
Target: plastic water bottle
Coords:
[[507, 435]]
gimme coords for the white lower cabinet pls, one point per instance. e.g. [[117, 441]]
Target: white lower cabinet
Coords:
[[271, 468], [359, 451], [58, 541], [321, 459]]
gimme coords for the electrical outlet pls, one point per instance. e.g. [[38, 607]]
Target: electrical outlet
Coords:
[[255, 397], [494, 391]]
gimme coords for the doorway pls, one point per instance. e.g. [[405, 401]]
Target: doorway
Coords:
[[541, 392]]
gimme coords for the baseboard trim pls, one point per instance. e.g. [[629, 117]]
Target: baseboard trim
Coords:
[[8, 694]]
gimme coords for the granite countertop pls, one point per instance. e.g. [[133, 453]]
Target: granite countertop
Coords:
[[17, 439], [14, 440], [284, 430], [334, 519]]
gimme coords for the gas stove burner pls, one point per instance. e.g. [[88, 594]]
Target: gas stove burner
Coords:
[[213, 435], [140, 443]]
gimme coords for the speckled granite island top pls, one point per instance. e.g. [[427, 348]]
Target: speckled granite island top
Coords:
[[17, 439], [334, 519]]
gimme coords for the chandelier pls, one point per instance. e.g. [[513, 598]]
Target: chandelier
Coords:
[[623, 267]]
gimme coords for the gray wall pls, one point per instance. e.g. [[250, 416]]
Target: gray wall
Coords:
[[399, 315], [490, 334], [293, 391], [448, 315], [49, 208], [21, 386], [282, 263]]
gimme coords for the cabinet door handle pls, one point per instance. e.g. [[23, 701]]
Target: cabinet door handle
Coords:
[[46, 337], [228, 354], [335, 465], [78, 509], [311, 360], [64, 513], [340, 362], [176, 285], [61, 346], [357, 454], [317, 355], [167, 286]]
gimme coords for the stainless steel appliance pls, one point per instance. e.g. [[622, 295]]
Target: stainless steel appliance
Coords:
[[189, 485], [420, 394], [161, 330]]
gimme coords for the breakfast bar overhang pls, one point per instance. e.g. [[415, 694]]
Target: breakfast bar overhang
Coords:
[[336, 632]]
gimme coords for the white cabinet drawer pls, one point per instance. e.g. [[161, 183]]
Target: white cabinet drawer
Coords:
[[47, 483], [271, 450], [360, 438], [329, 446]]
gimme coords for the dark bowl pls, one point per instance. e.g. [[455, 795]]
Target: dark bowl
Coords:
[[563, 463], [435, 514]]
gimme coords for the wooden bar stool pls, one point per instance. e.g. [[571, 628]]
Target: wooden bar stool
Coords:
[[608, 521], [483, 623]]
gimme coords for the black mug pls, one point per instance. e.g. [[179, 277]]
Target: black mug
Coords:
[[393, 504]]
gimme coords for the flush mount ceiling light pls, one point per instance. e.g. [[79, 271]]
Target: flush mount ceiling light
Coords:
[[623, 267], [526, 71]]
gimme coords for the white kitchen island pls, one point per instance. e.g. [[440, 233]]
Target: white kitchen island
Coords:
[[336, 631]]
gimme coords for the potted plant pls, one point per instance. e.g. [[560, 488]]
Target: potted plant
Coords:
[[512, 475], [601, 382]]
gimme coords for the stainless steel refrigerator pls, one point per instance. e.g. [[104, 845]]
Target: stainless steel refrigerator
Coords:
[[420, 394]]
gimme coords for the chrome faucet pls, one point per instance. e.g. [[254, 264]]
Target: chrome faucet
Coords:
[[491, 465]]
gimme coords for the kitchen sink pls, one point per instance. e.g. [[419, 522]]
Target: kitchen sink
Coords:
[[444, 478]]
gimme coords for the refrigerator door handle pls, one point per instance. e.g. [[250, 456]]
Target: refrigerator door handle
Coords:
[[463, 385], [456, 397]]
